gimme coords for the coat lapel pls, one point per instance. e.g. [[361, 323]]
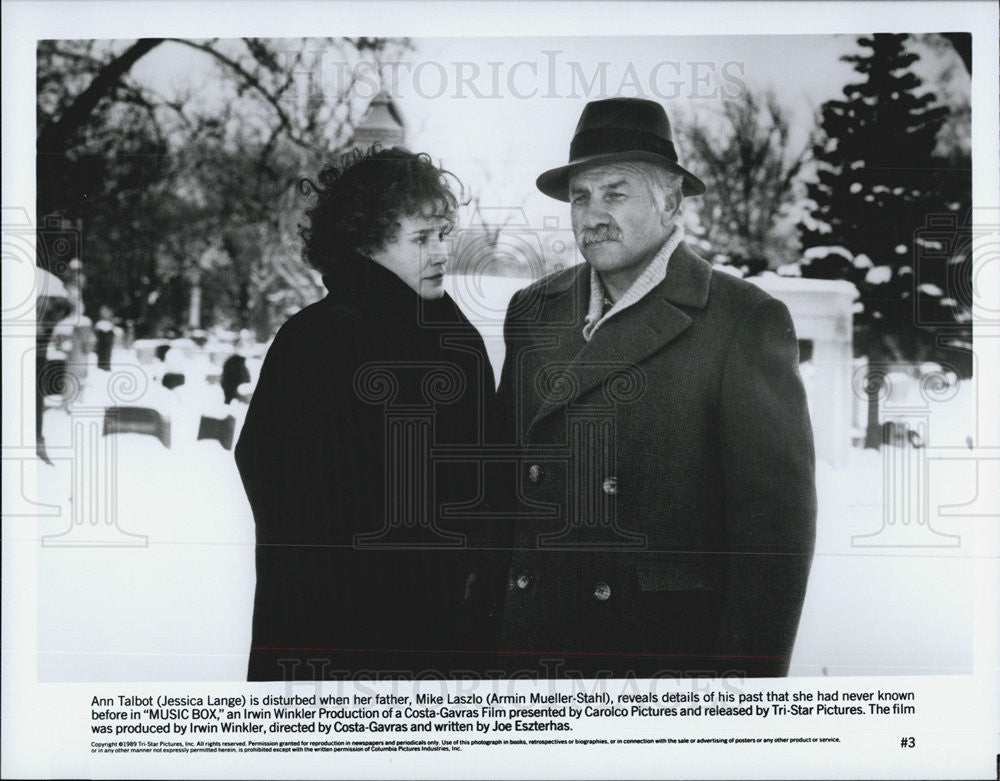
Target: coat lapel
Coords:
[[630, 336]]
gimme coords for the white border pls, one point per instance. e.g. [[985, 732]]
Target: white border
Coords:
[[40, 722]]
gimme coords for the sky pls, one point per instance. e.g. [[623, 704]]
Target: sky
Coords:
[[499, 111], [505, 142]]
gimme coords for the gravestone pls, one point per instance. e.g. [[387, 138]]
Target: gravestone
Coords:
[[137, 420], [220, 429]]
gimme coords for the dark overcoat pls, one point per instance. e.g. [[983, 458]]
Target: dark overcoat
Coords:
[[666, 497], [361, 568]]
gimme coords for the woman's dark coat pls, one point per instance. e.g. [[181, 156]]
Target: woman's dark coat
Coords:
[[363, 556]]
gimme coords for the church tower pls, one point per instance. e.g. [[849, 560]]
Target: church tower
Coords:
[[381, 122]]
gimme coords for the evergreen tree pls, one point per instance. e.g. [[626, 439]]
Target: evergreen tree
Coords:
[[878, 188]]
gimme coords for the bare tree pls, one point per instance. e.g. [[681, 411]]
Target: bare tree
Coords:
[[154, 181], [743, 154]]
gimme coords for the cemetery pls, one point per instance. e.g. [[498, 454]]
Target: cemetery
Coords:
[[158, 503], [169, 253]]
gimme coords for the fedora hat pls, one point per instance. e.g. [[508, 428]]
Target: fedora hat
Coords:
[[619, 130]]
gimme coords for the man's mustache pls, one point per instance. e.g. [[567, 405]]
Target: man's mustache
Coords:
[[601, 233]]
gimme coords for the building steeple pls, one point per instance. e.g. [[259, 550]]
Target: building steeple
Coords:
[[381, 122]]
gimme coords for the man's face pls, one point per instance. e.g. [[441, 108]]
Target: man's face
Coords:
[[619, 225], [418, 253]]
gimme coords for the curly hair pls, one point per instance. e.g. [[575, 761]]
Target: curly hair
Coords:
[[361, 198]]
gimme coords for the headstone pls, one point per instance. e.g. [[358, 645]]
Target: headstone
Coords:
[[104, 332], [137, 420], [220, 429], [821, 310]]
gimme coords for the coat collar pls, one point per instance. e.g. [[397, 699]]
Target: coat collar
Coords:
[[359, 284], [634, 334], [686, 282], [355, 273]]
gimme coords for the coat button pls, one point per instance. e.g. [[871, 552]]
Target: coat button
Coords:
[[523, 580], [610, 485], [535, 474], [602, 592]]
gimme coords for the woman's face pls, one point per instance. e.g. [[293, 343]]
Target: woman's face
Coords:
[[418, 254]]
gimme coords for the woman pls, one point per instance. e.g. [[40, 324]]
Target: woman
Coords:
[[360, 568]]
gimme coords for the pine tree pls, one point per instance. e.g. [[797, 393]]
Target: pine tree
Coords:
[[878, 185]]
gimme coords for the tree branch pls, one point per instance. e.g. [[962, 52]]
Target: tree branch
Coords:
[[54, 137], [250, 81]]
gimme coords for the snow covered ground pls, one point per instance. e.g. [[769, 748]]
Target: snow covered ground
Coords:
[[175, 602]]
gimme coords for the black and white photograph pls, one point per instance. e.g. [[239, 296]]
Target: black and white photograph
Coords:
[[625, 379]]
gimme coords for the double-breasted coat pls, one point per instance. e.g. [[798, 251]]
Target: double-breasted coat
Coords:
[[356, 444], [665, 499]]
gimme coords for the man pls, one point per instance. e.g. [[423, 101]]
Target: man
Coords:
[[666, 497]]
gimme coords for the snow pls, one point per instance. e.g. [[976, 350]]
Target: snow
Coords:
[[884, 599], [726, 269], [878, 275], [174, 608], [820, 252], [891, 589]]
